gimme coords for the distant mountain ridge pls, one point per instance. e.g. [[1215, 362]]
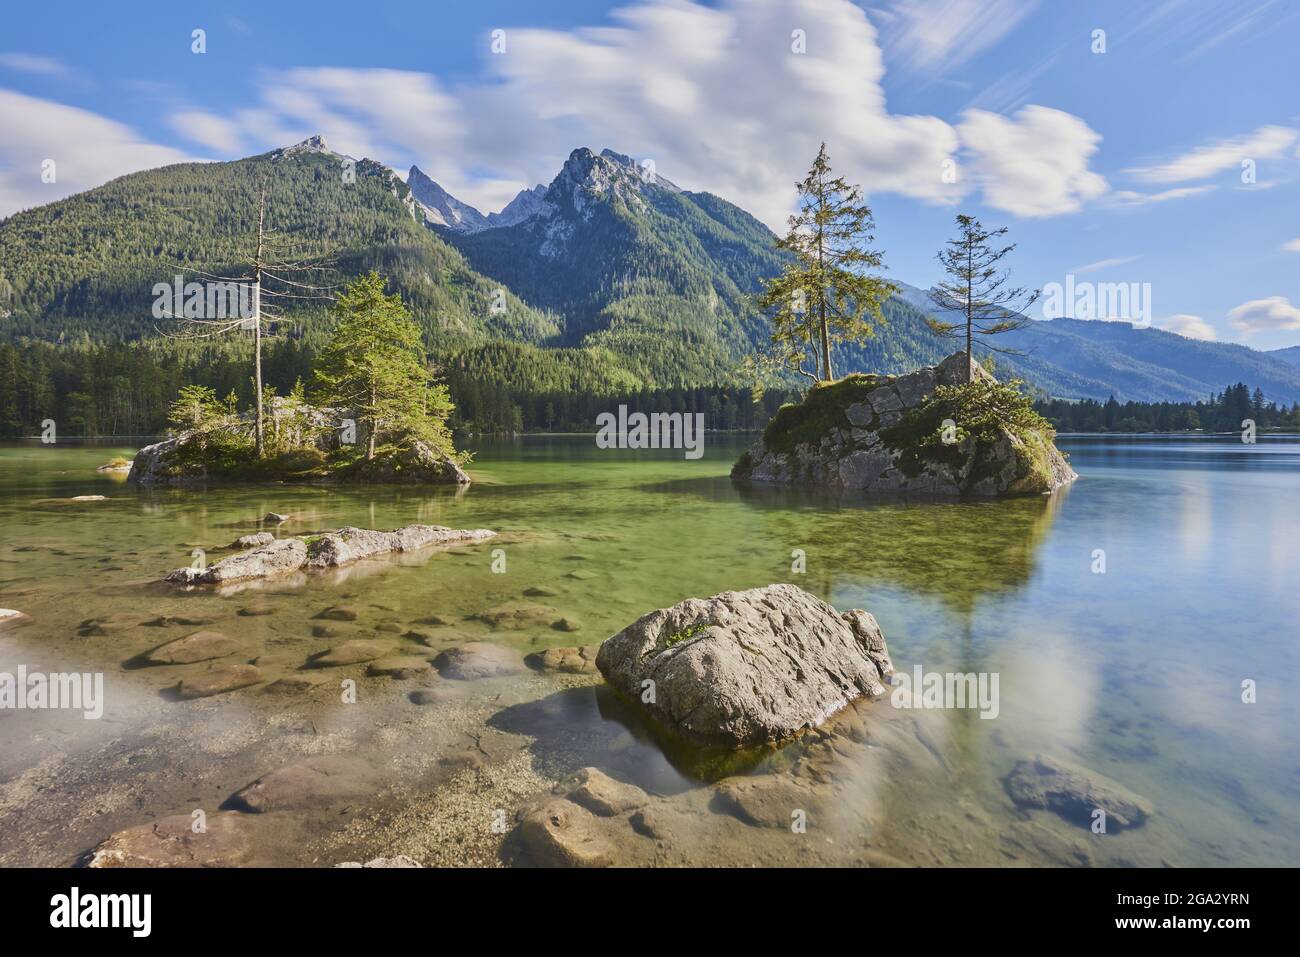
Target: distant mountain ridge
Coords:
[[610, 266]]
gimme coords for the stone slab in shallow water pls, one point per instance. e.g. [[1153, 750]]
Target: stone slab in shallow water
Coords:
[[747, 668], [1075, 793], [172, 842], [352, 544], [286, 555]]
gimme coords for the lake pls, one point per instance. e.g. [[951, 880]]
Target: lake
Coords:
[[1123, 617]]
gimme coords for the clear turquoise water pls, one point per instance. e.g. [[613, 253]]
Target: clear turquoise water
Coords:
[[1136, 673]]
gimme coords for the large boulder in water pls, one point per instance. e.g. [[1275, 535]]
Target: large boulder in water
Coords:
[[863, 433], [749, 667], [351, 544]]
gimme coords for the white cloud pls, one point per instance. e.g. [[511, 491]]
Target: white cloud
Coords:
[[713, 94], [1035, 163], [1193, 327], [1128, 197], [938, 36], [32, 63], [216, 133], [1205, 161], [87, 150], [1291, 246], [1104, 264], [1265, 315]]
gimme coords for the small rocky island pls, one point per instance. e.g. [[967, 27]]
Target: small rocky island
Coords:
[[929, 432]]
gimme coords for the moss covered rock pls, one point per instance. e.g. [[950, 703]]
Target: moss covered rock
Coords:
[[925, 433]]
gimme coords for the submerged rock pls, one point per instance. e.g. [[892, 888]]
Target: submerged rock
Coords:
[[746, 668], [401, 860], [172, 842], [200, 646], [573, 661], [477, 659], [858, 434], [399, 666], [314, 782], [1075, 793], [219, 679], [353, 652]]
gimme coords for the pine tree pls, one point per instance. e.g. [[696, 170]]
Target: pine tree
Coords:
[[825, 294], [376, 367], [977, 289]]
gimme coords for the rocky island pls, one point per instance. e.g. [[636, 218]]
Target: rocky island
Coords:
[[929, 432]]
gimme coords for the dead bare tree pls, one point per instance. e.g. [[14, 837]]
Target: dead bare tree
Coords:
[[261, 295]]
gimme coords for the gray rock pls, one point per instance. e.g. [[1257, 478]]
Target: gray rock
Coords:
[[253, 541], [477, 659], [353, 652], [573, 661], [218, 679], [274, 518], [351, 544], [281, 557], [1075, 793], [742, 668], [860, 415], [200, 646]]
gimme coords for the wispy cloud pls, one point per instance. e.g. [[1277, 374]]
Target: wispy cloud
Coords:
[[1103, 264], [1128, 197], [1204, 161], [1291, 246], [940, 36], [32, 63]]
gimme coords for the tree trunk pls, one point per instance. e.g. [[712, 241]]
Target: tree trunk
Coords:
[[970, 315], [257, 388], [821, 295], [374, 427], [257, 328]]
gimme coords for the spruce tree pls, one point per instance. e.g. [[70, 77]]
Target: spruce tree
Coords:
[[977, 289], [826, 293], [376, 367]]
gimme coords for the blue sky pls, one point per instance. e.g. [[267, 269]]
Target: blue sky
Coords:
[[1116, 166]]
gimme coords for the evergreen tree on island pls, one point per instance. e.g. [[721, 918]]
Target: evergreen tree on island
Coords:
[[826, 294], [978, 290], [376, 367]]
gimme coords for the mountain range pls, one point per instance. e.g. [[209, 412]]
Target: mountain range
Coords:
[[609, 269]]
